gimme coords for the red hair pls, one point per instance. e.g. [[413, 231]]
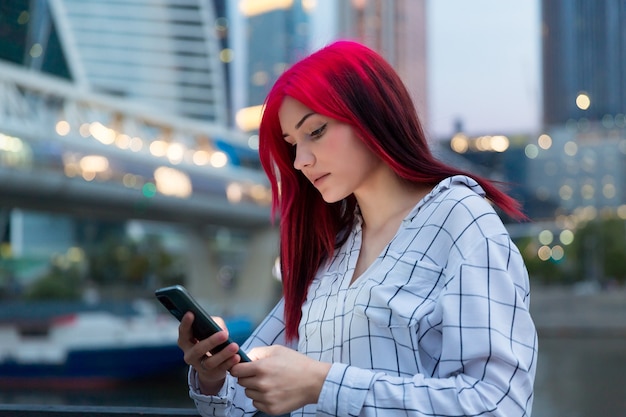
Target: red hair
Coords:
[[353, 84]]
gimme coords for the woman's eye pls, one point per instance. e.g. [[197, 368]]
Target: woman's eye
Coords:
[[318, 132]]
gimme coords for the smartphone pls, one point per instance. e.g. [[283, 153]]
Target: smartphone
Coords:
[[178, 301]]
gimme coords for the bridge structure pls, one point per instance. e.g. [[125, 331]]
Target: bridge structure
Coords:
[[138, 130], [63, 148]]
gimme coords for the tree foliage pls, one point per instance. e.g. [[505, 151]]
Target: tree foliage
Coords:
[[598, 253]]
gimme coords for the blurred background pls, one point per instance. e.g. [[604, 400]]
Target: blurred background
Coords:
[[128, 161]]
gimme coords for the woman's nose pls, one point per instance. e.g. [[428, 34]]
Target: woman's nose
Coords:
[[304, 157]]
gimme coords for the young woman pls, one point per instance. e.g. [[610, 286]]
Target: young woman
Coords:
[[403, 292]]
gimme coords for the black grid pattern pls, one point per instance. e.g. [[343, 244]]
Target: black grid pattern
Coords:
[[437, 326]]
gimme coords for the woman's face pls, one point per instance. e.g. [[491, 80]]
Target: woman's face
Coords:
[[328, 152]]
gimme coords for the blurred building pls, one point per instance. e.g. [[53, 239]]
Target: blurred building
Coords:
[[577, 164], [124, 50], [579, 170], [267, 36], [397, 29], [115, 110], [584, 60]]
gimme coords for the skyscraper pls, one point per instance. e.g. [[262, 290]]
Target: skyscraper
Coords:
[[124, 50], [396, 29], [584, 60], [271, 35]]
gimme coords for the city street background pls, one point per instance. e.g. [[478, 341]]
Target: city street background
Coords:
[[128, 161]]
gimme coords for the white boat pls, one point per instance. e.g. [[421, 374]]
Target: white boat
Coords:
[[88, 348]]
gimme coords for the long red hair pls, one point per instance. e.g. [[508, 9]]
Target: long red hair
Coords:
[[353, 84]]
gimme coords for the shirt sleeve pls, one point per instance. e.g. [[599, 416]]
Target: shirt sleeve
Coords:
[[231, 399], [486, 348]]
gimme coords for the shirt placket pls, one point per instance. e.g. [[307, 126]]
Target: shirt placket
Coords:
[[345, 298]]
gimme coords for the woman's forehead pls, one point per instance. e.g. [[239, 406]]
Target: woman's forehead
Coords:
[[293, 104], [290, 113]]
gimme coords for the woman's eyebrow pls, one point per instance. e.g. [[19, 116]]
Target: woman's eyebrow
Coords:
[[306, 116]]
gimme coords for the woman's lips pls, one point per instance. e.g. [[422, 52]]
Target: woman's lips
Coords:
[[319, 179]]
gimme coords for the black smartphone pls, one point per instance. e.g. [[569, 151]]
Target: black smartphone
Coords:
[[178, 301]]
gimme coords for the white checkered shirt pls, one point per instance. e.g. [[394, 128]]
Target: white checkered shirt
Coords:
[[438, 325]]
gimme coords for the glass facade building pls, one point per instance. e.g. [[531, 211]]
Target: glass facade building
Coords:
[[584, 60], [578, 164]]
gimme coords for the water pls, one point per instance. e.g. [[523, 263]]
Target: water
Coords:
[[580, 377], [167, 391], [576, 377]]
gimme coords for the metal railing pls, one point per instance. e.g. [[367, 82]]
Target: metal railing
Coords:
[[20, 410]]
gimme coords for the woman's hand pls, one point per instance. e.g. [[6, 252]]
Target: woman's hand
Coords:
[[211, 368], [280, 380]]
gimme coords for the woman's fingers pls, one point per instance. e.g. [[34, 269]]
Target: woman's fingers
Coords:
[[185, 333]]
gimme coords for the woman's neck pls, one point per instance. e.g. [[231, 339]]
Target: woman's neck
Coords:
[[389, 201]]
